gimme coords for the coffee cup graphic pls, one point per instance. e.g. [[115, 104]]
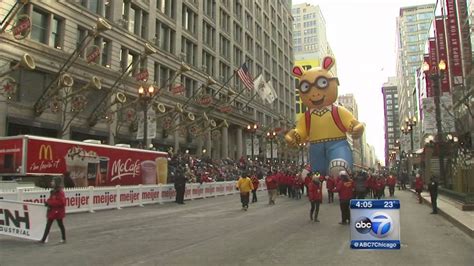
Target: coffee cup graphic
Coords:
[[162, 170], [148, 170], [80, 165]]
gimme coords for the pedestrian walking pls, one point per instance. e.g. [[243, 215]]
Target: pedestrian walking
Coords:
[[179, 184], [379, 187], [433, 188], [330, 186], [345, 187], [315, 196], [56, 204], [272, 186], [244, 185], [360, 185], [255, 183], [419, 187], [391, 182]]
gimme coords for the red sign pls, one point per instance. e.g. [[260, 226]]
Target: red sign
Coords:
[[424, 94], [442, 53], [89, 164], [92, 54], [178, 89], [22, 27], [205, 100], [142, 75], [453, 42], [11, 152], [433, 62], [225, 108]]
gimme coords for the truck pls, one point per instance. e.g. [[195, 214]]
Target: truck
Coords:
[[36, 159]]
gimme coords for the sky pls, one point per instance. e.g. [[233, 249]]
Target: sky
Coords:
[[362, 35]]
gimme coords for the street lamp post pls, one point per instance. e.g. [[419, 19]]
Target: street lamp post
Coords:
[[436, 75], [252, 129], [145, 97], [270, 136], [302, 146], [408, 128]]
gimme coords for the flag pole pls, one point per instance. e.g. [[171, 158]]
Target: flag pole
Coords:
[[249, 101]]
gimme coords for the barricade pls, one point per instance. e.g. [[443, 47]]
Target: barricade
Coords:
[[90, 199]]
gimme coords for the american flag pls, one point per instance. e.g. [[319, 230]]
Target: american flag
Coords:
[[245, 77]]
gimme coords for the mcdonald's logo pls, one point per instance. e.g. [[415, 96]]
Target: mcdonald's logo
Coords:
[[45, 152]]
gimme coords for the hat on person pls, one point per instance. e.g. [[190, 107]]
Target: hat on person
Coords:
[[417, 175], [343, 173]]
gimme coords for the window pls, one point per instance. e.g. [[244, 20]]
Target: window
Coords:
[[189, 49], [224, 71], [238, 10], [189, 19], [237, 33], [166, 7], [224, 47], [106, 52], [249, 43], [237, 56], [136, 19], [189, 84], [225, 21], [248, 21], [165, 37], [40, 26], [210, 8], [47, 28], [208, 63], [165, 75], [208, 34]]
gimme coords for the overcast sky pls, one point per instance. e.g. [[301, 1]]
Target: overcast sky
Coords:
[[362, 35]]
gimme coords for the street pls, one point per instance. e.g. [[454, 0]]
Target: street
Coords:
[[215, 231]]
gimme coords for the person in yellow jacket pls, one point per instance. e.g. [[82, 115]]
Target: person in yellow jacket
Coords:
[[244, 185]]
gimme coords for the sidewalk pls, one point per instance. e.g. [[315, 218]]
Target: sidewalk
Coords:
[[464, 220]]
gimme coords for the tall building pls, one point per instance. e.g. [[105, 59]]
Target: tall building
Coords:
[[213, 37], [309, 33], [413, 26], [391, 117], [349, 102]]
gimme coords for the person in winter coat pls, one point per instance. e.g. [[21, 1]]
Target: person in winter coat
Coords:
[[345, 187], [433, 188], [255, 184], [244, 184], [56, 204], [419, 187], [330, 185], [360, 185], [272, 186], [315, 196], [391, 182], [379, 187]]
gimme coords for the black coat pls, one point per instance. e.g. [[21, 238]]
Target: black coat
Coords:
[[433, 188]]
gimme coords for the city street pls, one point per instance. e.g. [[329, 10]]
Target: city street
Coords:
[[215, 231]]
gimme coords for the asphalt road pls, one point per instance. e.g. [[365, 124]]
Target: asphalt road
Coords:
[[215, 231]]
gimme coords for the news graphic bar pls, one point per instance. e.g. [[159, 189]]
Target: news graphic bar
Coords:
[[375, 204], [375, 244]]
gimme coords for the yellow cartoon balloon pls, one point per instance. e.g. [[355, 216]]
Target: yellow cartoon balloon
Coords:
[[325, 124]]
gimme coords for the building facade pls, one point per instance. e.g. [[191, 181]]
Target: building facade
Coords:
[[349, 102], [413, 26], [309, 33], [391, 120], [151, 43]]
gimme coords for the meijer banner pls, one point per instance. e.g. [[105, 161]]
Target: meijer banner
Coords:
[[22, 219]]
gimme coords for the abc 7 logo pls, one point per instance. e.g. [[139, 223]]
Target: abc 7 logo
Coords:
[[378, 225]]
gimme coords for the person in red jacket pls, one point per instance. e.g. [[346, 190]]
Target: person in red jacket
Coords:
[[315, 196], [345, 187], [307, 181], [56, 204], [255, 184], [330, 185], [272, 185], [419, 187], [379, 187], [391, 182]]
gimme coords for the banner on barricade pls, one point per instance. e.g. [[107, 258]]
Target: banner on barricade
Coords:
[[22, 219]]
